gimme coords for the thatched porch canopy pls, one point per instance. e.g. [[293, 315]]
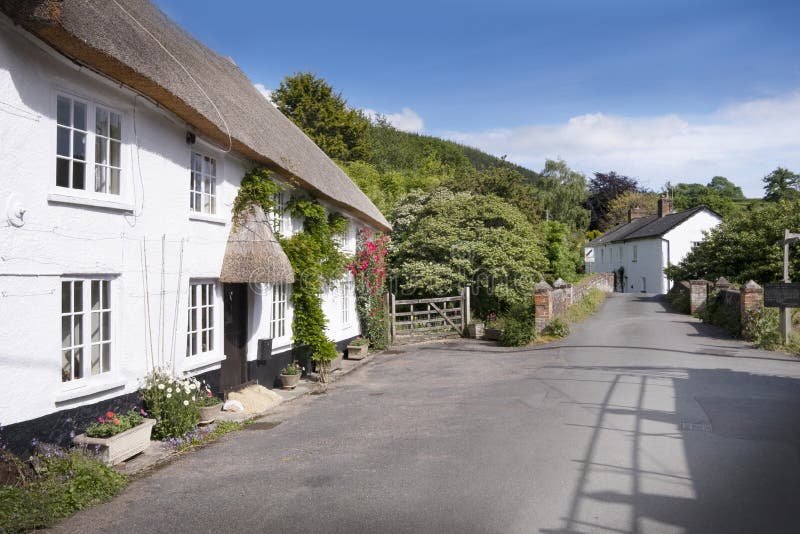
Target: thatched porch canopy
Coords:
[[252, 254]]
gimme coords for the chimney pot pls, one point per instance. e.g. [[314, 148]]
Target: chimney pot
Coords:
[[664, 206]]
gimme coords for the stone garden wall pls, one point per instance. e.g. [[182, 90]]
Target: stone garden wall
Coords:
[[553, 301], [720, 303]]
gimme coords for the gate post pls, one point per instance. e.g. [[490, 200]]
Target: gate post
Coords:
[[392, 317], [387, 308]]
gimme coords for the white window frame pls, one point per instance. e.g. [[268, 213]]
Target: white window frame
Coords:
[[203, 196], [86, 323], [203, 307], [90, 165], [635, 254], [279, 308], [346, 302]]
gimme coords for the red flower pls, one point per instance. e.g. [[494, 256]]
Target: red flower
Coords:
[[116, 421], [110, 415]]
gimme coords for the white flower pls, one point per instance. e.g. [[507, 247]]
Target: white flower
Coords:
[[192, 386], [169, 390], [186, 403], [161, 386], [187, 391], [169, 395], [192, 397]]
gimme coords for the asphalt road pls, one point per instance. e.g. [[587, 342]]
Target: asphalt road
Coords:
[[641, 420]]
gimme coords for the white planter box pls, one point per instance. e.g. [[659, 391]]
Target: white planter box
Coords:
[[357, 352], [119, 448]]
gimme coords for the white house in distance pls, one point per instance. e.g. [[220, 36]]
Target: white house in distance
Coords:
[[124, 141], [638, 251]]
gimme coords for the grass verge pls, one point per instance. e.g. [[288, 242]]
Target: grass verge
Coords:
[[586, 307]]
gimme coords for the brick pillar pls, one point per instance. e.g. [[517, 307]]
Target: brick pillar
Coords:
[[543, 301], [698, 295], [751, 298]]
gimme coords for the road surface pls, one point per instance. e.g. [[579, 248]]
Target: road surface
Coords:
[[641, 420]]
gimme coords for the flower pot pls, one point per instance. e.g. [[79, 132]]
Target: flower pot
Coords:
[[475, 330], [357, 352], [492, 334], [118, 448], [209, 413], [333, 365], [290, 381]]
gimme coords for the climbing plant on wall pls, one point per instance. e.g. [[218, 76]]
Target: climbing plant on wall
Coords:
[[369, 271], [257, 188]]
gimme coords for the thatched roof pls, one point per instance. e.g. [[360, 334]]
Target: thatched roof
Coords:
[[123, 40], [252, 254]]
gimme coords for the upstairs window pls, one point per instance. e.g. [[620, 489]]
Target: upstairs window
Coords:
[[277, 212], [203, 184], [86, 133], [635, 253]]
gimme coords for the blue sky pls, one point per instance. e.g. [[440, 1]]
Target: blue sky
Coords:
[[661, 90]]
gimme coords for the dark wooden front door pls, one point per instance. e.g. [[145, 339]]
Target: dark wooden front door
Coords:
[[234, 366]]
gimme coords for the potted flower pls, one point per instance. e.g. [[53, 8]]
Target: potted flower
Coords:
[[475, 330], [494, 327], [290, 375], [357, 348], [208, 405], [118, 436]]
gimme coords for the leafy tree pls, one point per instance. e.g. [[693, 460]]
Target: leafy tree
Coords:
[[445, 240], [618, 207], [311, 103], [603, 188], [563, 251], [743, 246], [781, 184], [726, 188], [562, 193], [719, 199]]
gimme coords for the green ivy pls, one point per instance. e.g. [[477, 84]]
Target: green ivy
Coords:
[[257, 188]]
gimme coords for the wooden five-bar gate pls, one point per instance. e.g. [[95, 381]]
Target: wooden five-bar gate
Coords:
[[417, 319]]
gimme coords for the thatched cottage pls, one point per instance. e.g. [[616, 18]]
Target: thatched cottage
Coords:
[[124, 141]]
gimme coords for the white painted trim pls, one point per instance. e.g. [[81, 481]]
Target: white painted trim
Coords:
[[79, 200], [192, 364], [206, 217], [89, 389]]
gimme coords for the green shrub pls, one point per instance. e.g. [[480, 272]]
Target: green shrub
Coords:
[[557, 328], [65, 480], [679, 301], [762, 327], [519, 326], [171, 402], [716, 313], [585, 308]]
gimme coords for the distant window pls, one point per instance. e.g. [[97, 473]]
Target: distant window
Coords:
[[77, 144], [203, 184], [85, 308], [620, 253], [277, 212], [200, 331], [602, 255], [635, 253], [277, 324]]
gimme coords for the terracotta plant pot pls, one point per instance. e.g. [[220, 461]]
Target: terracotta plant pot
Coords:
[[209, 413], [357, 352], [120, 447], [290, 381]]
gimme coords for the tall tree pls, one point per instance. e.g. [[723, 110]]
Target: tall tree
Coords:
[[618, 207], [323, 114], [726, 188], [603, 188], [781, 184], [562, 193]]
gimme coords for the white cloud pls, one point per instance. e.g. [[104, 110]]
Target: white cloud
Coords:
[[407, 120], [742, 142], [266, 93]]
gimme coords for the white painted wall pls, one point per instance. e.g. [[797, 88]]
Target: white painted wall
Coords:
[[72, 233], [653, 255]]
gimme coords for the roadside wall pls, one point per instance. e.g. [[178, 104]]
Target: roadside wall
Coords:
[[553, 301], [720, 303]]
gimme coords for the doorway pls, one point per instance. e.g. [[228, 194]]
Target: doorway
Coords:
[[234, 367]]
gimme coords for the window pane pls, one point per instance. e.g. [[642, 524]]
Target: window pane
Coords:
[[66, 291], [106, 293], [113, 187], [80, 116], [101, 122], [77, 329], [197, 162], [62, 172], [78, 358], [100, 178], [62, 142], [106, 326], [96, 359], [194, 344], [204, 343], [79, 145], [116, 126], [211, 339], [114, 158], [64, 111], [96, 327], [100, 150], [66, 331], [77, 299], [78, 175], [66, 365], [106, 357]]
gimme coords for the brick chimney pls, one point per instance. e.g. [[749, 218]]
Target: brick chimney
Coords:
[[635, 213], [664, 206]]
